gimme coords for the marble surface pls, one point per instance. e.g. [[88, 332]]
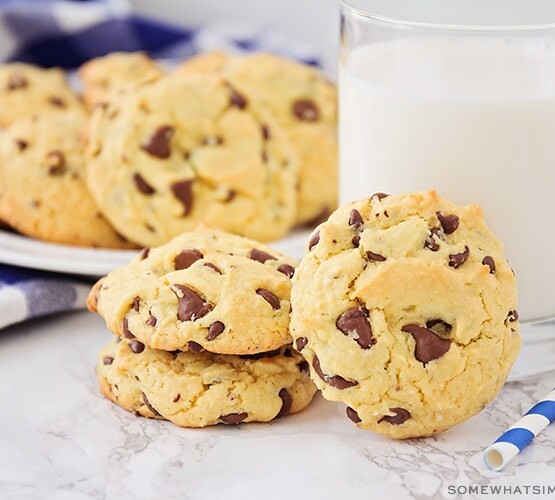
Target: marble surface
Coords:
[[59, 439]]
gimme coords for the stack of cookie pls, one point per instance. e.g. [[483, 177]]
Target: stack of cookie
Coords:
[[246, 144], [416, 331], [201, 330]]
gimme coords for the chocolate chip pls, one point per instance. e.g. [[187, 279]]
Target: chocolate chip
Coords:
[[177, 398], [269, 297], [183, 191], [260, 255], [428, 346], [56, 171], [125, 329], [186, 258], [355, 219], [158, 144], [56, 162], [356, 324], [355, 240], [488, 261], [136, 304], [286, 269], [431, 240], [149, 406], [379, 196], [107, 360], [236, 99], [213, 266], [151, 321], [142, 185], [512, 316], [313, 241], [400, 416], [17, 81], [215, 329], [136, 346], [230, 195], [21, 144], [449, 223], [456, 260], [233, 418], [265, 131], [336, 380], [353, 415], [303, 366], [144, 253], [300, 343], [286, 403], [194, 346], [191, 305], [375, 256], [57, 101], [305, 110]]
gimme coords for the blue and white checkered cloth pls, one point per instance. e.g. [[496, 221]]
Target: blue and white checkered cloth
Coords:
[[66, 34], [28, 293]]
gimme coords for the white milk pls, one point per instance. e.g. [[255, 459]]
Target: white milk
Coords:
[[472, 118]]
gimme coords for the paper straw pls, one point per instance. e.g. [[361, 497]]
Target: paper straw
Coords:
[[515, 439]]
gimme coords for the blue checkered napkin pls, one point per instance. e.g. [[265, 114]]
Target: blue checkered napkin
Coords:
[[67, 33], [26, 294]]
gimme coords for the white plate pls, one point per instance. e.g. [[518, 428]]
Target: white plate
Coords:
[[22, 251]]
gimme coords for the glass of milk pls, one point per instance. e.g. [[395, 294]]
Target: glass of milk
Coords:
[[460, 97]]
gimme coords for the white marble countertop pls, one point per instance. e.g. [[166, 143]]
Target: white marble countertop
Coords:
[[59, 439]]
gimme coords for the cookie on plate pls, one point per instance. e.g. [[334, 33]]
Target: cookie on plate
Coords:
[[305, 103], [204, 290], [196, 390], [43, 193], [105, 75], [185, 150], [417, 330], [27, 90]]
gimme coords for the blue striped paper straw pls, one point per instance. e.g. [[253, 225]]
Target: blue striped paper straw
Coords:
[[515, 439]]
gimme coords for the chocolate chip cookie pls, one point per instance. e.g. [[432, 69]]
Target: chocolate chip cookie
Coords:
[[43, 192], [27, 90], [105, 75], [204, 290], [186, 149], [196, 390], [305, 104], [417, 329]]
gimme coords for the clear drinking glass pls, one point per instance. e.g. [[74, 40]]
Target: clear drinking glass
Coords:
[[463, 102]]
